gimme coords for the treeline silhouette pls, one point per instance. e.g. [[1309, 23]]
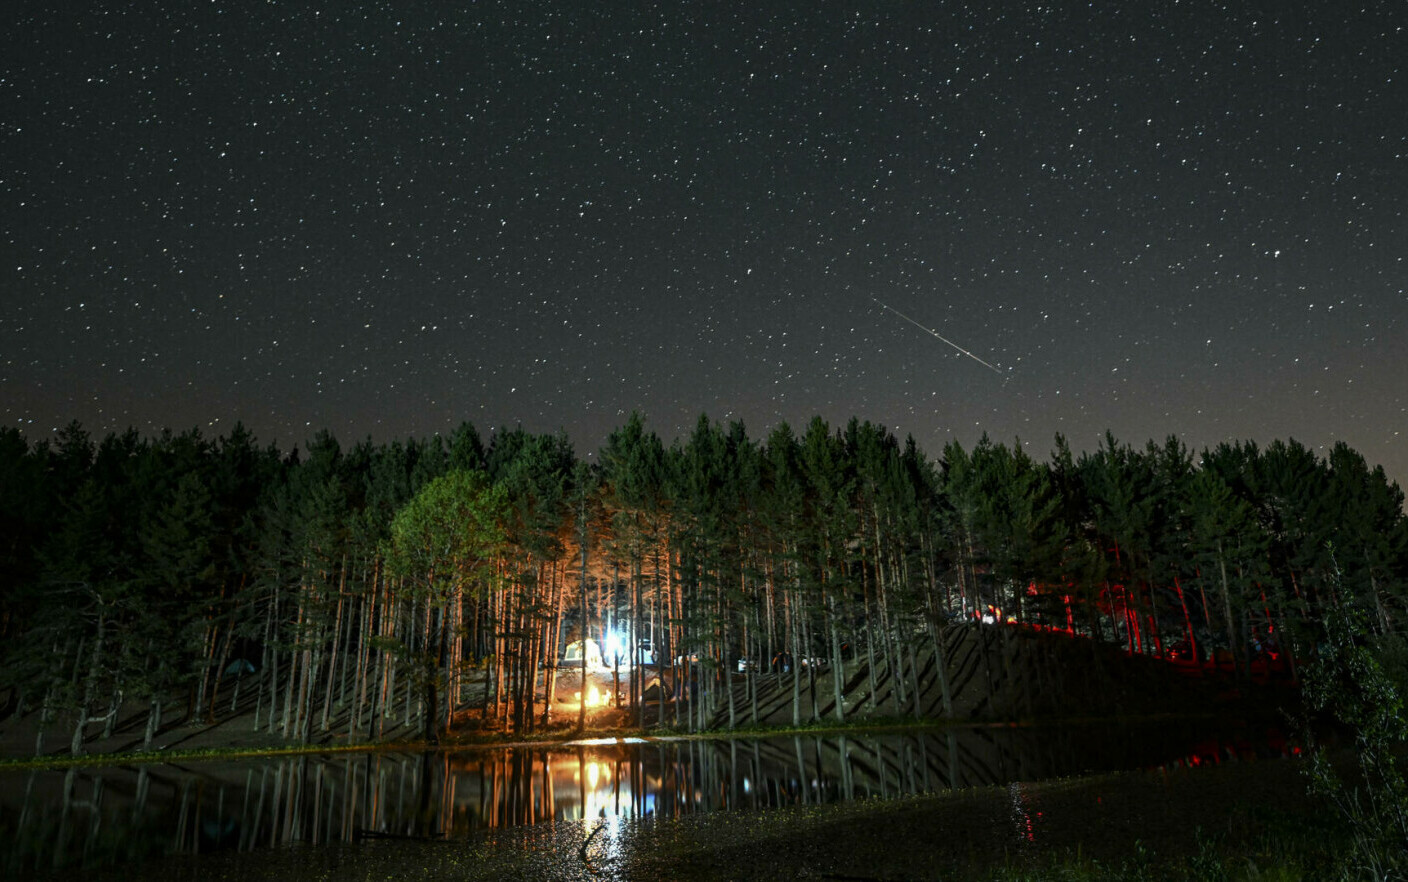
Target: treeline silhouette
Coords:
[[392, 588]]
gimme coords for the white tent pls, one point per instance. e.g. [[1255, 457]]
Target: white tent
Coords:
[[573, 658]]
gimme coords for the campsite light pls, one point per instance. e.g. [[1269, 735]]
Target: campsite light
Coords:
[[595, 697], [616, 649]]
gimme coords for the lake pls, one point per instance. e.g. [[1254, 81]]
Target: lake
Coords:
[[92, 816]]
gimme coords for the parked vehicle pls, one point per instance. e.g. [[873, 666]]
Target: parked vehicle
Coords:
[[1180, 650]]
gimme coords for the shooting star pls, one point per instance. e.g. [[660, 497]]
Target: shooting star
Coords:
[[941, 337]]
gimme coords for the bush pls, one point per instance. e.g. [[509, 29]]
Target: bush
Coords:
[[1351, 683]]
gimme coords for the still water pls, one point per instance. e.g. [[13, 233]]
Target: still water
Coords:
[[96, 816]]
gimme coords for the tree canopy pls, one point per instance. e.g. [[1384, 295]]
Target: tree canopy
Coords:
[[381, 586]]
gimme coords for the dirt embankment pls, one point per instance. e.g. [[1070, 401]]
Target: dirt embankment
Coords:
[[988, 674]]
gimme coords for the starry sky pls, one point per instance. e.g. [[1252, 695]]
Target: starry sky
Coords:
[[1162, 218]]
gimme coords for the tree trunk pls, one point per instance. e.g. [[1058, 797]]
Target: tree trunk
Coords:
[[153, 722], [1227, 607], [89, 684], [325, 722], [838, 668], [114, 706], [1187, 620], [220, 669], [582, 628], [554, 638]]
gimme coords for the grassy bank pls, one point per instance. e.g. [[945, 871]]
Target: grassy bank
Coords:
[[210, 746]]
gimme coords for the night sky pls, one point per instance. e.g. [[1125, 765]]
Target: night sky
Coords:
[[383, 220]]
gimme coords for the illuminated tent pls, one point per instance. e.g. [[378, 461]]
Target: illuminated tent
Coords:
[[573, 658]]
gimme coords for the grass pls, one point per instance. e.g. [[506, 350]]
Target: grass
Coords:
[[555, 734], [140, 757], [1260, 844]]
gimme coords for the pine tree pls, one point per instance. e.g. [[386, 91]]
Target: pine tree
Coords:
[[444, 544]]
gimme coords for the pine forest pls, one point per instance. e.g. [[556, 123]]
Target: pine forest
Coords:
[[419, 586]]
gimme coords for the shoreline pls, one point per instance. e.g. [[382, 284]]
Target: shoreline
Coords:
[[475, 739]]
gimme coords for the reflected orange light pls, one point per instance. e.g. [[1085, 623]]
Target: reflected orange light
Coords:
[[597, 774]]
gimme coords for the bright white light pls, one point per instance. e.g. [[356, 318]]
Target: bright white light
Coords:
[[616, 649]]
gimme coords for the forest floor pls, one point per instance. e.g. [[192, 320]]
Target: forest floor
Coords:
[[231, 733], [234, 732], [1114, 686]]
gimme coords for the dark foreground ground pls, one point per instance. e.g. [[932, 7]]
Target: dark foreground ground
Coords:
[[1129, 825]]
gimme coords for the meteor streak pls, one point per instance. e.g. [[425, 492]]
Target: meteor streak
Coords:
[[941, 337]]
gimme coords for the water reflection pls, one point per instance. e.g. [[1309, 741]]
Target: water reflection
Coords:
[[101, 815]]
